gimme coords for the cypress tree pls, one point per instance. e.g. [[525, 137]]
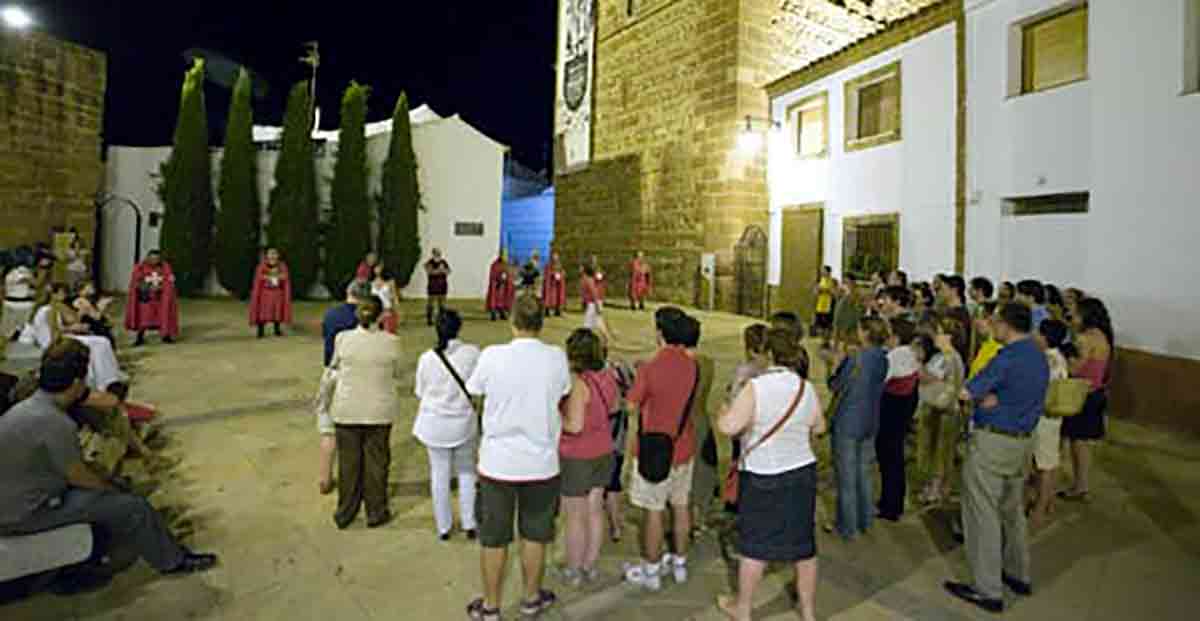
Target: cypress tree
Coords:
[[186, 189], [348, 237], [239, 218], [400, 202], [295, 221]]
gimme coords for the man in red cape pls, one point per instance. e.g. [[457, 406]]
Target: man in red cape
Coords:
[[639, 281], [271, 298], [554, 286], [152, 304], [500, 287]]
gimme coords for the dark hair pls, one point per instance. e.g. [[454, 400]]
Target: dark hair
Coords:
[[827, 269], [589, 270], [903, 329], [876, 330], [754, 337], [62, 365], [1018, 317], [950, 325], [1007, 285], [785, 350], [989, 307], [1054, 296], [984, 285], [1033, 289], [585, 351], [691, 331], [899, 295], [956, 282], [153, 252], [787, 320], [1054, 331], [368, 311], [925, 343], [1093, 314], [527, 313], [926, 293], [902, 276], [447, 326]]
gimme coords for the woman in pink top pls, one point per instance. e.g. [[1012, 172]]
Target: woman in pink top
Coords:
[[1094, 340], [586, 458]]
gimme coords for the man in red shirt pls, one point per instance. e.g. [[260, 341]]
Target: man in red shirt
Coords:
[[659, 401]]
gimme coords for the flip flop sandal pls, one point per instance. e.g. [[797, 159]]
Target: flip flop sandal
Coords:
[[533, 608], [477, 612]]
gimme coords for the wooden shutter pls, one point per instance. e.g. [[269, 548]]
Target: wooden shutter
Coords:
[[870, 103], [1054, 50]]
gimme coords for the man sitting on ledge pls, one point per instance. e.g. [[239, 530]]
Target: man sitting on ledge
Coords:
[[45, 485]]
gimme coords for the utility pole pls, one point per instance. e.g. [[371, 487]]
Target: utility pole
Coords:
[[312, 58]]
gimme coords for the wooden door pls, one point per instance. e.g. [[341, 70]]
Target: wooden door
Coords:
[[800, 260]]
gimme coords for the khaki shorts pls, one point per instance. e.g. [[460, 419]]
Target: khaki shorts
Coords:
[[1046, 442], [655, 496], [581, 476]]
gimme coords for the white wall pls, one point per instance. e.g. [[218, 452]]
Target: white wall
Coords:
[[1126, 135], [461, 177], [913, 177]]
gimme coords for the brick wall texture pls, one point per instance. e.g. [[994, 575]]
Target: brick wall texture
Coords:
[[51, 113], [674, 82]]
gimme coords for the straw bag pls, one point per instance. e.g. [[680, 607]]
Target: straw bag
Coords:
[[1065, 397]]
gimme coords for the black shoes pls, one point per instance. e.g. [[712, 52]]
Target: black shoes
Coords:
[[261, 331], [278, 330], [968, 593], [380, 521], [193, 563], [168, 340], [1018, 587]]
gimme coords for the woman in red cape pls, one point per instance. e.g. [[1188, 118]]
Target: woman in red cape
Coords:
[[639, 282], [554, 287], [271, 297], [152, 304], [500, 288]]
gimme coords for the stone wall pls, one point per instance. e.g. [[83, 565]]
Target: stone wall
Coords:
[[674, 82], [51, 114]]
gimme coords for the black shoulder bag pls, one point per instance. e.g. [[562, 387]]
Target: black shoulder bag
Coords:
[[459, 380], [656, 450]]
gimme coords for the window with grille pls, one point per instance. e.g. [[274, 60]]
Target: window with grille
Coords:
[[873, 108], [870, 244], [1054, 50]]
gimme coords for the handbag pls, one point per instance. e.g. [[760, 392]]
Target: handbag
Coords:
[[1066, 397], [656, 449], [729, 489], [943, 395], [458, 380]]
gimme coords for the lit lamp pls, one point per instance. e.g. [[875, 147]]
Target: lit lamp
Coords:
[[750, 141], [16, 17]]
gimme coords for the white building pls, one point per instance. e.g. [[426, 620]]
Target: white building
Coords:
[[1075, 163], [461, 180]]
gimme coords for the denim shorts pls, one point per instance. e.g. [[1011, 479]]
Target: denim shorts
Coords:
[[776, 515]]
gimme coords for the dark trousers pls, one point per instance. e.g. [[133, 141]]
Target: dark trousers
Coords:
[[434, 300], [364, 457], [895, 417], [125, 519]]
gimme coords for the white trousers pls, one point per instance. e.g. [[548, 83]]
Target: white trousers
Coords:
[[103, 368], [446, 462]]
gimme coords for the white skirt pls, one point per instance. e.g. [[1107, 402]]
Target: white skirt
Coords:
[[103, 368], [591, 316], [15, 316]]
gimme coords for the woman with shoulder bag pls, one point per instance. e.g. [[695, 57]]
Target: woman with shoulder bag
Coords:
[[776, 476], [447, 423], [938, 422]]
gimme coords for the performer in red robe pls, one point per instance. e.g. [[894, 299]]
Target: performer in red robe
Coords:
[[366, 269], [271, 298], [500, 288], [151, 304], [639, 282], [554, 286], [601, 282]]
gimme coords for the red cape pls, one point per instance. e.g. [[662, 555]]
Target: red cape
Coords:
[[270, 304], [161, 314], [554, 287], [364, 272], [639, 281], [500, 287]]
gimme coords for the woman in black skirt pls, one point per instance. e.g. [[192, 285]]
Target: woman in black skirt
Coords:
[[1094, 343], [775, 415]]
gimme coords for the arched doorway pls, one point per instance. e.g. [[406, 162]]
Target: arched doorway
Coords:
[[750, 276]]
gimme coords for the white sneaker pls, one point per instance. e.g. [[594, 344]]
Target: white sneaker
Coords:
[[643, 575], [677, 565]]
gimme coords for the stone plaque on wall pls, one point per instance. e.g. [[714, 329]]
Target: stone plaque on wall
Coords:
[[576, 71], [468, 229]]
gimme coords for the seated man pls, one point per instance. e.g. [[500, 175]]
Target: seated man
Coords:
[[44, 483]]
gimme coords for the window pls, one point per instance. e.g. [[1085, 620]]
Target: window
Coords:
[[870, 244], [810, 117], [468, 229], [1054, 50], [1076, 202], [873, 108], [631, 8]]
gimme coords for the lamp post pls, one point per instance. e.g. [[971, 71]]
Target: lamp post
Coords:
[[16, 17]]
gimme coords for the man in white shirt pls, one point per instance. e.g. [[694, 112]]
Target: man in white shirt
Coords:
[[522, 384]]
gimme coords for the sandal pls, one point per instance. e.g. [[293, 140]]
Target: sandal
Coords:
[[533, 608], [477, 612]]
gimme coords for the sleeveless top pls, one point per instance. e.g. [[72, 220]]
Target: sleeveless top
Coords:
[[596, 438], [437, 284], [1095, 371], [789, 448]]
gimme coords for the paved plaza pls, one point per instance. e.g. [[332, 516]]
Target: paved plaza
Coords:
[[237, 413]]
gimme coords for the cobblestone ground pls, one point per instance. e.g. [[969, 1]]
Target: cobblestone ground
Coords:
[[236, 411]]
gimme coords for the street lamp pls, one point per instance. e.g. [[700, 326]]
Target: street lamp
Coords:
[[16, 17]]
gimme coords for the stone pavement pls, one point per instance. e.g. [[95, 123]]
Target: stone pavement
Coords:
[[237, 413]]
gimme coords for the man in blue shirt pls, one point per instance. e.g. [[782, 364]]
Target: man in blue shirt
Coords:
[[1009, 395], [337, 320]]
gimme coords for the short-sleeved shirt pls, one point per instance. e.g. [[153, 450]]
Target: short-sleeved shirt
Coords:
[[38, 443], [661, 392], [337, 320], [522, 384]]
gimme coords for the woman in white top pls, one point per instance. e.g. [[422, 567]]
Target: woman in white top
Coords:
[[383, 286], [57, 320], [775, 415], [447, 424], [364, 405]]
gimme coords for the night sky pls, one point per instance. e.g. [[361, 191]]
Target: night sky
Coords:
[[489, 61]]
